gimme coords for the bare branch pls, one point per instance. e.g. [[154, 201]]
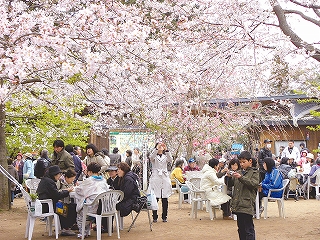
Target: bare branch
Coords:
[[32, 80], [23, 36], [305, 5], [317, 12], [310, 19], [286, 29]]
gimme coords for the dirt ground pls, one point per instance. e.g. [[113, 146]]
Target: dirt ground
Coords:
[[301, 222]]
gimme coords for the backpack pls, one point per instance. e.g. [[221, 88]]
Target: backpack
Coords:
[[41, 166]]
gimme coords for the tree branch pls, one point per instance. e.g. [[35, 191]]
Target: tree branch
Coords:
[[305, 5], [32, 80], [316, 11], [310, 19], [286, 29]]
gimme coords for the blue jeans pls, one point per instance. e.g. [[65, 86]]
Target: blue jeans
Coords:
[[12, 196]]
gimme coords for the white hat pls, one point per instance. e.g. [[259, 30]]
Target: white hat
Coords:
[[28, 155], [222, 160], [310, 155]]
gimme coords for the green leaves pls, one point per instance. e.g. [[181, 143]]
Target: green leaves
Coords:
[[33, 125], [75, 78]]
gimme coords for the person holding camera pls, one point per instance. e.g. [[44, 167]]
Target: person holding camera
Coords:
[[160, 181]]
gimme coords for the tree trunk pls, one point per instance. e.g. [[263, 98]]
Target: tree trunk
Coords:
[[4, 190]]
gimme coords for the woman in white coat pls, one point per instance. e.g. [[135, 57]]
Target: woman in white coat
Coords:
[[209, 181], [160, 181]]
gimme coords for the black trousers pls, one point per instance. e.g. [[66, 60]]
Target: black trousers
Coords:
[[226, 209], [165, 205], [245, 226]]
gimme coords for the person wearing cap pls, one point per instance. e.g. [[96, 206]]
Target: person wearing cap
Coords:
[[192, 166], [263, 153], [48, 189], [28, 166], [113, 180]]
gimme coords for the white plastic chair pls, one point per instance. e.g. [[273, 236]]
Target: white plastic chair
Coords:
[[109, 201], [181, 194], [31, 218], [316, 185], [280, 201], [32, 184], [198, 197], [195, 181]]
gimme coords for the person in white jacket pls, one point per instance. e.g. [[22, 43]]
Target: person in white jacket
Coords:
[[291, 151], [210, 182], [160, 181], [87, 191]]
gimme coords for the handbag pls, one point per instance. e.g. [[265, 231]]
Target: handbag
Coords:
[[62, 209], [139, 204], [152, 203]]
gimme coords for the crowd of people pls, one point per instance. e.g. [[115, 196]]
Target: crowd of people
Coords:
[[67, 171]]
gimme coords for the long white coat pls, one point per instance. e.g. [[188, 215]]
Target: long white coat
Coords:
[[160, 181], [208, 182]]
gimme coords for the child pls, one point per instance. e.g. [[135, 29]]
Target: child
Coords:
[[233, 166], [246, 183]]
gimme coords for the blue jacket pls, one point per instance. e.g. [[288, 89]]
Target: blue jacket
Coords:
[[77, 165], [28, 169], [272, 180]]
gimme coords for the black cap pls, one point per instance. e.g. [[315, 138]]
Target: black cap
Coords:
[[54, 170], [267, 141]]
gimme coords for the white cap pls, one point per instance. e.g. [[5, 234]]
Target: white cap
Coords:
[[222, 160], [310, 155]]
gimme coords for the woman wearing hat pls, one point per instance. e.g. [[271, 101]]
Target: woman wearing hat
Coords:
[[48, 189], [18, 164]]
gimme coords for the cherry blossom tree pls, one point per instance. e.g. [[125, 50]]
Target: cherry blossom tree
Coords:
[[159, 61]]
